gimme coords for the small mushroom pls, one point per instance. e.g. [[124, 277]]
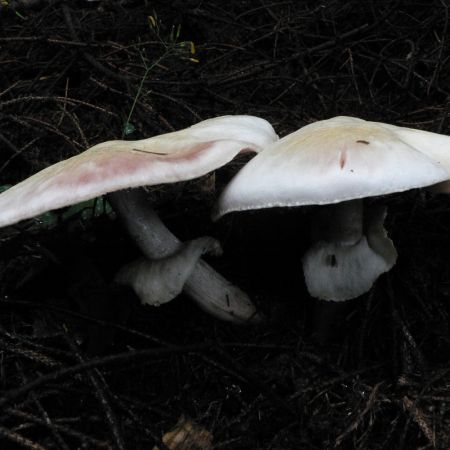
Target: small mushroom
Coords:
[[338, 162], [112, 166]]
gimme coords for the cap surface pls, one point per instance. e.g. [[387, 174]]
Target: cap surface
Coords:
[[115, 165], [339, 159]]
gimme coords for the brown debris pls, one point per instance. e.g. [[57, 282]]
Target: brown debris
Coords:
[[187, 435]]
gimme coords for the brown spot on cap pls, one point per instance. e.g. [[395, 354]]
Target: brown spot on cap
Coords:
[[362, 141], [342, 159]]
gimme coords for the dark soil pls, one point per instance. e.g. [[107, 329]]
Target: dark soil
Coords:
[[84, 365]]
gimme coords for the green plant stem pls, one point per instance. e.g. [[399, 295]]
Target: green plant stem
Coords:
[[141, 85]]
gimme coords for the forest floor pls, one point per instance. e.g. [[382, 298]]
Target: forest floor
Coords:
[[84, 365]]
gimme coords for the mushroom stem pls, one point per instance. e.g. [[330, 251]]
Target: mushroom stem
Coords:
[[351, 252], [212, 292], [340, 222], [159, 281]]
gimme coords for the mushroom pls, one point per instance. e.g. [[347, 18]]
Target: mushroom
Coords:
[[115, 165], [337, 163]]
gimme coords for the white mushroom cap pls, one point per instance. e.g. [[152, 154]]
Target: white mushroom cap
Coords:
[[115, 165], [339, 159]]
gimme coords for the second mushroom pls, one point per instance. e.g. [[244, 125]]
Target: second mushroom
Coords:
[[336, 163]]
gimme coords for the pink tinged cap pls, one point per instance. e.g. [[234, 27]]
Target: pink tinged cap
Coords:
[[339, 159], [115, 165]]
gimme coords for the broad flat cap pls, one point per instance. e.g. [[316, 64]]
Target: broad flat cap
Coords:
[[115, 165], [339, 159]]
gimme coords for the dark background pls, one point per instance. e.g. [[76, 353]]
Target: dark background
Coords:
[[375, 375]]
